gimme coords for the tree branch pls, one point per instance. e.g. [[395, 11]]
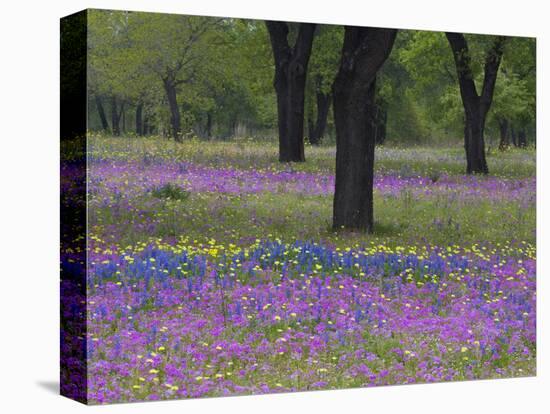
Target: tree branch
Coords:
[[462, 58], [492, 63]]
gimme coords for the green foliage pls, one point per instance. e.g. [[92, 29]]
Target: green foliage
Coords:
[[219, 66], [170, 191], [431, 91], [322, 68], [325, 56], [223, 72], [512, 97], [515, 93]]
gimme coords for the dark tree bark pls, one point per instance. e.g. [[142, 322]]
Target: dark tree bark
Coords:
[[101, 112], [504, 137], [382, 126], [513, 135], [139, 118], [310, 124], [175, 117], [364, 52], [123, 118], [522, 138], [317, 128], [147, 128], [475, 106], [380, 122], [208, 124], [290, 81], [115, 115]]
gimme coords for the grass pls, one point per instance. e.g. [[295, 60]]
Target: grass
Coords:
[[231, 219], [203, 283], [515, 163], [400, 219]]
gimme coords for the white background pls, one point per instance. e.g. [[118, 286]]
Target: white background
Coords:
[[29, 183]]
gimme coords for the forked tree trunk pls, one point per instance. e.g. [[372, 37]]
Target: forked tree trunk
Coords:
[[290, 82], [475, 106], [101, 112], [364, 52], [175, 117], [317, 129]]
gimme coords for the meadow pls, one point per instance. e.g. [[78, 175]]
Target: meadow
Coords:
[[214, 270]]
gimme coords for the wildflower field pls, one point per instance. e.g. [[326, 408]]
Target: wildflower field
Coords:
[[213, 270]]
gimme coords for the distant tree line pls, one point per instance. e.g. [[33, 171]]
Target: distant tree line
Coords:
[[180, 75], [223, 83]]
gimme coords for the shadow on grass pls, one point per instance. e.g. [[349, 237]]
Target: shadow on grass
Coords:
[[388, 229], [380, 230]]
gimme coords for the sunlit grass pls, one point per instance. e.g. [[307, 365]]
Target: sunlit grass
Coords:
[[243, 153]]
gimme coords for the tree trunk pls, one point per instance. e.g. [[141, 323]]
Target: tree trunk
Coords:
[[522, 138], [363, 54], [290, 95], [474, 143], [381, 123], [115, 116], [475, 106], [514, 136], [175, 118], [318, 130], [146, 127], [290, 81], [139, 119], [310, 124], [101, 112], [353, 196], [504, 137], [123, 118], [208, 124]]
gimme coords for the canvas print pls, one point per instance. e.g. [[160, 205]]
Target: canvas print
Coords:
[[252, 207]]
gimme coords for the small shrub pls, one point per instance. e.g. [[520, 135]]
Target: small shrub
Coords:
[[434, 176], [170, 191]]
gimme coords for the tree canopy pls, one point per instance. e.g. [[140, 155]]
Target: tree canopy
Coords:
[[178, 76]]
